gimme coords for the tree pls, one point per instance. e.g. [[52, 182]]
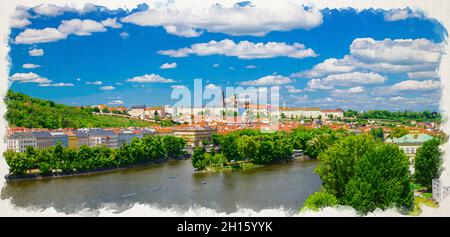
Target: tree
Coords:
[[199, 161], [319, 200], [337, 163], [173, 146], [428, 162], [105, 110], [247, 147], [377, 133], [398, 132], [364, 173], [381, 180]]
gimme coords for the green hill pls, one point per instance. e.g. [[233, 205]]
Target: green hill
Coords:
[[29, 112]]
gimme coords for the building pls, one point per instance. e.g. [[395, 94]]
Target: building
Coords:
[[137, 111], [44, 139], [125, 137], [410, 142], [72, 140], [19, 141], [151, 112], [60, 137], [332, 113], [195, 136], [440, 192], [101, 137], [82, 138], [299, 113]]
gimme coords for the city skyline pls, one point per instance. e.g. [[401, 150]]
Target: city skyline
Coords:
[[363, 60]]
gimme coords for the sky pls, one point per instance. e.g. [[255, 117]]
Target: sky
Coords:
[[325, 58]]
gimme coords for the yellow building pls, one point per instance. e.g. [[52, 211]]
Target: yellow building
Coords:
[[73, 141], [194, 136]]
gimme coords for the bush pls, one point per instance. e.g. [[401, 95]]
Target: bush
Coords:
[[319, 200]]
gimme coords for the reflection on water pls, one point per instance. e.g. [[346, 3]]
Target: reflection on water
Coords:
[[172, 184]]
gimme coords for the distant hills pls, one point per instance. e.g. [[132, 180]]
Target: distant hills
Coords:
[[29, 112]]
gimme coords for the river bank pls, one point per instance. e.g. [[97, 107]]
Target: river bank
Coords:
[[171, 184], [14, 178]]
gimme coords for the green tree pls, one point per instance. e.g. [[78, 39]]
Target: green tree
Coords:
[[428, 162], [199, 161], [377, 133], [247, 147], [398, 132], [381, 180], [174, 146], [319, 200], [337, 163], [105, 110]]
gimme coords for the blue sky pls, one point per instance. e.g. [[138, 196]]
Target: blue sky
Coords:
[[319, 58]]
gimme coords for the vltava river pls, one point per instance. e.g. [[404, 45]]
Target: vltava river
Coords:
[[172, 184]]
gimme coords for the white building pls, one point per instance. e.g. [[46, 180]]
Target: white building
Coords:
[[440, 192], [332, 113], [137, 111], [299, 113], [19, 141]]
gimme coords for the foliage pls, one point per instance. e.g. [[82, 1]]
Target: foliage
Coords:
[[199, 161], [398, 115], [399, 132], [320, 199], [381, 180], [173, 146], [25, 111], [362, 172], [61, 159], [428, 162], [377, 133]]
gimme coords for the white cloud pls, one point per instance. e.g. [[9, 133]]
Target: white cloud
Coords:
[[216, 65], [178, 87], [94, 82], [124, 35], [30, 66], [397, 98], [190, 19], [292, 89], [385, 56], [407, 86], [53, 10], [325, 68], [243, 50], [20, 17], [401, 14], [212, 87], [350, 91], [422, 75], [271, 80], [80, 27], [150, 78], [29, 77], [396, 52], [111, 22], [66, 28], [32, 36], [168, 65], [345, 79], [36, 52], [107, 88], [78, 79], [412, 85], [61, 84], [116, 102], [250, 66]]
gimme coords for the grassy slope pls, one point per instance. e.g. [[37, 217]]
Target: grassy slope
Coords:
[[25, 111]]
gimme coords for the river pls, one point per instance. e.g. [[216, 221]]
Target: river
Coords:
[[172, 184]]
